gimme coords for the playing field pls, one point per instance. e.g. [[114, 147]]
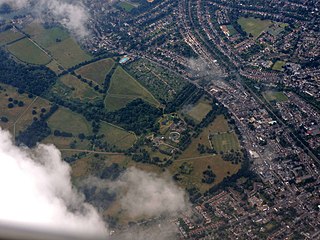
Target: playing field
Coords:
[[232, 30], [9, 36], [255, 26], [28, 52], [123, 89], [126, 6], [275, 96], [117, 136], [46, 37], [96, 71], [70, 87], [278, 65], [68, 53], [199, 111], [225, 142]]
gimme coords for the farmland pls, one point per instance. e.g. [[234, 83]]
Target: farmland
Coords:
[[28, 52], [96, 71], [123, 89], [9, 36], [255, 26]]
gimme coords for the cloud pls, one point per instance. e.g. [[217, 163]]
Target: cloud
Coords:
[[36, 191], [70, 14], [146, 194]]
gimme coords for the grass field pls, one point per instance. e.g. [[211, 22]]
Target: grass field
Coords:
[[46, 37], [255, 26], [9, 36], [68, 53], [278, 65], [96, 71], [54, 66], [28, 52], [123, 89], [225, 142], [68, 121], [68, 86], [117, 136], [200, 110], [71, 122], [277, 96], [12, 114], [126, 6], [232, 30]]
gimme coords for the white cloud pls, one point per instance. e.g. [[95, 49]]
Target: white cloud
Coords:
[[70, 14], [146, 194], [36, 191]]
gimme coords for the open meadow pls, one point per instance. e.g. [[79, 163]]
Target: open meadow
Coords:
[[96, 71], [26, 51], [198, 111], [255, 26], [123, 89], [9, 36]]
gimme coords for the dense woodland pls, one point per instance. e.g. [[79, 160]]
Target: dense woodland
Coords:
[[33, 79]]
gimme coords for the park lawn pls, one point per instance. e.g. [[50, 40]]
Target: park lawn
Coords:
[[123, 89], [68, 121], [96, 71], [220, 168], [68, 86], [232, 30], [225, 142], [199, 111], [27, 117], [117, 136], [278, 65], [9, 36], [68, 53], [126, 6], [14, 113], [46, 37], [255, 26], [275, 96], [28, 52]]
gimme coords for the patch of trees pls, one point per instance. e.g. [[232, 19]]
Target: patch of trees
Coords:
[[112, 172], [180, 99], [108, 77], [137, 116], [34, 79], [4, 119], [208, 176], [233, 157], [59, 133], [37, 131]]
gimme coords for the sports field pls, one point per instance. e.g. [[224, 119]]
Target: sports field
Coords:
[[123, 89], [117, 136], [278, 65], [96, 71], [200, 110], [276, 96], [70, 87], [9, 36], [68, 53], [28, 52], [225, 142], [127, 6], [255, 26]]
